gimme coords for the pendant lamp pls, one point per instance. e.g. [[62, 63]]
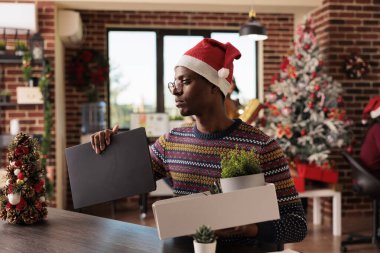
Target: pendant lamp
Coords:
[[253, 29]]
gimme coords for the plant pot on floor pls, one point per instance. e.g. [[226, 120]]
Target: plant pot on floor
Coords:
[[204, 247], [242, 182]]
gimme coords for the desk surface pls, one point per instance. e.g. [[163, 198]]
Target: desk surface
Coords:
[[66, 231]]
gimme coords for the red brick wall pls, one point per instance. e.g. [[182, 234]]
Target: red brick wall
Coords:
[[344, 27], [30, 116], [279, 26]]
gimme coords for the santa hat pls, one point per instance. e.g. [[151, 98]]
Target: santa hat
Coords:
[[213, 60], [372, 108]]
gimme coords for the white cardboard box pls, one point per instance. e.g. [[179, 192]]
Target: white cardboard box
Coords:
[[183, 215]]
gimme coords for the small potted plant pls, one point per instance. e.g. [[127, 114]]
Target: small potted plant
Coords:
[[240, 169], [204, 240], [5, 96], [3, 46], [20, 48]]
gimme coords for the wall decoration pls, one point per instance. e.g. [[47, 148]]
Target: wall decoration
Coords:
[[88, 69], [355, 67]]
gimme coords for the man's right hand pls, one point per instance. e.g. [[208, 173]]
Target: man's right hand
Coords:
[[100, 140]]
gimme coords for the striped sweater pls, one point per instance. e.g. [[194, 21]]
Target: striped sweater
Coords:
[[191, 161]]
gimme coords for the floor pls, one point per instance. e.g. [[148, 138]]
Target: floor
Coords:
[[318, 240]]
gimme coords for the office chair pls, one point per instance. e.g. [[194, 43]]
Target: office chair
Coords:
[[363, 183]]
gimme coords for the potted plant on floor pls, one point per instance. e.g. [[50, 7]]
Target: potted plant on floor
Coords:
[[204, 240], [240, 169]]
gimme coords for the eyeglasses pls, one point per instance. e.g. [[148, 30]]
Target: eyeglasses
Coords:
[[178, 85]]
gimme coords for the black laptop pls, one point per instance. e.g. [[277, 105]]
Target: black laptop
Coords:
[[122, 170]]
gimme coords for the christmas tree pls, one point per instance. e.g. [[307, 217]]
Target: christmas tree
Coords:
[[23, 200], [303, 105]]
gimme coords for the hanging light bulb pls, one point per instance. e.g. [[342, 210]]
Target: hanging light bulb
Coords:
[[253, 29]]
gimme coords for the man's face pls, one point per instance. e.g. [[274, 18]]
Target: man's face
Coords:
[[191, 92]]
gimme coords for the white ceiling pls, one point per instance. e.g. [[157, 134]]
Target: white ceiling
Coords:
[[261, 6]]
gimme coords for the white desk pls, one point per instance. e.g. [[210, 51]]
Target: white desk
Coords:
[[317, 211]]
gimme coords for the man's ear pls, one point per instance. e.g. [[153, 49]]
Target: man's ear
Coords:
[[215, 90]]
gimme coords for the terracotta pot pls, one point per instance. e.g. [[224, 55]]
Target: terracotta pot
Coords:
[[204, 247], [242, 182]]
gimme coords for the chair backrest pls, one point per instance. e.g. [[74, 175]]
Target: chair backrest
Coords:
[[363, 181]]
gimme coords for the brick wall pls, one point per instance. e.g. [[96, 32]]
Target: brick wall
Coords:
[[30, 116], [345, 27], [341, 26], [279, 26]]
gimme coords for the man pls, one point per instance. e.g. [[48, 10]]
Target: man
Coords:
[[190, 156]]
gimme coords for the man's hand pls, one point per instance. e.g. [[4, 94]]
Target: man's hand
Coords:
[[250, 230], [100, 140]]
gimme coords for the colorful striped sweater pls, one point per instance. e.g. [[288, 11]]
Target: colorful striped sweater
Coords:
[[191, 161]]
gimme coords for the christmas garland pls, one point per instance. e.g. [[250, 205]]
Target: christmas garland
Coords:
[[26, 67], [355, 67], [44, 88], [22, 199]]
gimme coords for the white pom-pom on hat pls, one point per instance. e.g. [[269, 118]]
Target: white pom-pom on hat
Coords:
[[14, 198], [223, 72]]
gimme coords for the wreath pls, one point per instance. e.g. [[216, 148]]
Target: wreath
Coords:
[[88, 67], [355, 67]]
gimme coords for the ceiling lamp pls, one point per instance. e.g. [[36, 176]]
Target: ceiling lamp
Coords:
[[253, 29]]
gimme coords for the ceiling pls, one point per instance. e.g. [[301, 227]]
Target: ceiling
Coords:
[[261, 6]]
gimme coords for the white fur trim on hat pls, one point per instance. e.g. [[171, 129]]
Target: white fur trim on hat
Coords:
[[375, 113], [206, 71]]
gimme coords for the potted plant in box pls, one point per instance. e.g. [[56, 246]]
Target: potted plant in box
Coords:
[[204, 240], [5, 96], [240, 169]]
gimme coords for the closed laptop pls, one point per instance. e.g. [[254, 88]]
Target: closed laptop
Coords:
[[122, 170]]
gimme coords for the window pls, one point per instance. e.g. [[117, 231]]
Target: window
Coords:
[[142, 63]]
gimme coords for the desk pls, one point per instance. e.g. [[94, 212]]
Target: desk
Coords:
[[316, 195], [65, 231]]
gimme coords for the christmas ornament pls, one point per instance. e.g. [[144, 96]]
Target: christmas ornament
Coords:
[[23, 200], [355, 67]]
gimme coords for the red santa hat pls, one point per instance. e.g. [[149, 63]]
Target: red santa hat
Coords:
[[372, 108], [213, 60]]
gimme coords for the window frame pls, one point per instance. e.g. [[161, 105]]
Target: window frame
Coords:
[[160, 33]]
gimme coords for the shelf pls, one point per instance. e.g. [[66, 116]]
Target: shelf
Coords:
[[7, 104], [10, 58]]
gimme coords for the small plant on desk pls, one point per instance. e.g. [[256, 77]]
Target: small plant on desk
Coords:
[[204, 240]]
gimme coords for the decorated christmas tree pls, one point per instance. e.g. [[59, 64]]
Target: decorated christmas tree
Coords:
[[23, 200], [303, 108]]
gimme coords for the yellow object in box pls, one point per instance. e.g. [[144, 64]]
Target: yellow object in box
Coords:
[[251, 111], [183, 215]]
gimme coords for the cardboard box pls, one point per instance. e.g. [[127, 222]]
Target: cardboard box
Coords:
[[183, 215]]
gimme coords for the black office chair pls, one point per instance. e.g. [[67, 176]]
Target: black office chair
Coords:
[[363, 183]]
